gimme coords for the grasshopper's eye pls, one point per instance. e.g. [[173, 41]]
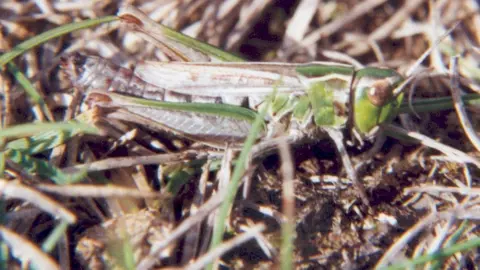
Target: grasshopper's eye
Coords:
[[380, 92]]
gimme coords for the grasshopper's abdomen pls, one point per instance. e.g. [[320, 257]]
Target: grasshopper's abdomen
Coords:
[[95, 73]]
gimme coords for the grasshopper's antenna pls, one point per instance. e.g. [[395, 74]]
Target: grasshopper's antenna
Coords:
[[415, 66], [417, 63]]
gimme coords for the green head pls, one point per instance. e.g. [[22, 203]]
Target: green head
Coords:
[[373, 100]]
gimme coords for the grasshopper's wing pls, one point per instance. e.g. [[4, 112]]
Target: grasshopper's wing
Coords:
[[216, 125], [222, 80], [229, 83]]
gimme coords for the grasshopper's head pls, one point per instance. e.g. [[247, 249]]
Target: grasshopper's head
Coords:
[[73, 65], [374, 101], [86, 72]]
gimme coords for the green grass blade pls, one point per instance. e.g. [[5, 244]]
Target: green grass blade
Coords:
[[225, 110], [4, 255], [178, 179], [237, 175], [449, 251], [199, 46], [25, 130], [26, 84], [56, 32], [47, 136], [450, 242], [42, 141], [35, 97], [43, 168], [437, 104], [2, 163], [54, 237]]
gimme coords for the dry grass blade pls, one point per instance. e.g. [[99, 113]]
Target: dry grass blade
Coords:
[[435, 190], [400, 16], [26, 251], [180, 230], [336, 25], [201, 262], [249, 15], [193, 237], [96, 191], [115, 163], [459, 107], [12, 190], [460, 212], [453, 153], [298, 26], [433, 47]]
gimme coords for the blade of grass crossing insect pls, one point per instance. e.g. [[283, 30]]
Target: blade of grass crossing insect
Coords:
[[54, 237], [44, 168], [438, 104], [42, 141], [225, 110], [237, 175], [36, 128], [56, 32]]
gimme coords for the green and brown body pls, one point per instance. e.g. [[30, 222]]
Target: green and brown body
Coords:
[[216, 102]]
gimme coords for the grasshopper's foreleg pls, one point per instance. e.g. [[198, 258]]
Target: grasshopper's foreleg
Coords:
[[337, 137]]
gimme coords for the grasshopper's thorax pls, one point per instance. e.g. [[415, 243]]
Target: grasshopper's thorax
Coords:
[[84, 71], [338, 94], [323, 102]]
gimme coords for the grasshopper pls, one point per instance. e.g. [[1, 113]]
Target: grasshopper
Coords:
[[215, 102], [209, 96]]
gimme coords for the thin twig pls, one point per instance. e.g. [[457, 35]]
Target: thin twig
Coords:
[[181, 229], [459, 106], [223, 248], [114, 163], [457, 155], [19, 191], [337, 138], [96, 191], [26, 250], [332, 27]]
